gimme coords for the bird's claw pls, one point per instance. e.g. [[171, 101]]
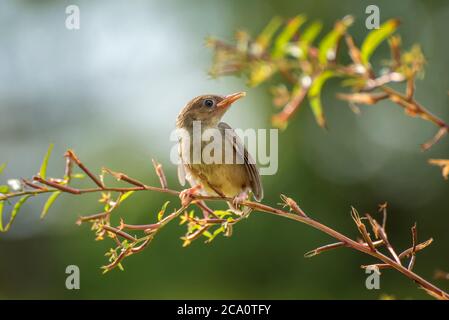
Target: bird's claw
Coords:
[[237, 202], [187, 195]]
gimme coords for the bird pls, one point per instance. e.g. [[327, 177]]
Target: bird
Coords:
[[218, 178]]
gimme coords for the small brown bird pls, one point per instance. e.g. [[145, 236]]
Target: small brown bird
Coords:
[[219, 178]]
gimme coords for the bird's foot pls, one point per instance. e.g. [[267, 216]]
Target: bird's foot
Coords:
[[236, 204], [187, 195]]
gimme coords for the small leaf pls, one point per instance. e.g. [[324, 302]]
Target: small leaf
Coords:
[[160, 215], [217, 231], [1, 215], [443, 164], [314, 96], [15, 211], [260, 71], [375, 38], [264, 39], [286, 35], [222, 213], [308, 37], [49, 203], [2, 167], [4, 189], [207, 234], [43, 170], [125, 196], [328, 46]]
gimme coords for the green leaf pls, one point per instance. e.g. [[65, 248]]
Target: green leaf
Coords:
[[264, 39], [260, 71], [4, 189], [2, 203], [375, 38], [2, 167], [49, 203], [328, 45], [160, 215], [314, 96], [125, 196], [15, 211], [207, 234], [222, 213], [217, 231], [286, 35], [308, 37], [43, 170]]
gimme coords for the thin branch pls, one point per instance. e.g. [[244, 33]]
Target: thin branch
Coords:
[[160, 173], [421, 246], [34, 186], [362, 229], [123, 177], [70, 154], [380, 232], [57, 186], [336, 245], [414, 241], [119, 232]]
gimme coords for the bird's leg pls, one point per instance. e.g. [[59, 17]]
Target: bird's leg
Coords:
[[237, 202], [187, 195]]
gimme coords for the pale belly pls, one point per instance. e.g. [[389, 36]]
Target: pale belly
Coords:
[[228, 179]]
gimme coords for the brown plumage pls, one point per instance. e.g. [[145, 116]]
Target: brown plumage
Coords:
[[232, 180]]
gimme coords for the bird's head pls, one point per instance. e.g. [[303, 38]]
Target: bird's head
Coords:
[[206, 108]]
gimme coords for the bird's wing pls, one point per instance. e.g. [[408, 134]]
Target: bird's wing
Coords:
[[181, 174], [249, 163], [181, 169]]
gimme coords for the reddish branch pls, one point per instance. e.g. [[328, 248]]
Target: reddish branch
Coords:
[[134, 244]]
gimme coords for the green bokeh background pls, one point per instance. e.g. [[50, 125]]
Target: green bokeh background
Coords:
[[111, 91]]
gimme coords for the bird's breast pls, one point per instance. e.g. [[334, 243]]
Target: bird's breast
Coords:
[[212, 164]]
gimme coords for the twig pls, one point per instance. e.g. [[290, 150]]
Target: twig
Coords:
[[121, 176], [119, 232], [291, 107], [70, 154], [56, 186], [160, 173], [421, 246], [362, 229], [379, 231], [383, 209], [376, 265], [335, 245], [414, 241], [443, 164], [34, 186]]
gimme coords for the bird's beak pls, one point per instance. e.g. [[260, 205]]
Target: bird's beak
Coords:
[[230, 99]]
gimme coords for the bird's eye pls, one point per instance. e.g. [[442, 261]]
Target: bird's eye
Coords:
[[209, 103]]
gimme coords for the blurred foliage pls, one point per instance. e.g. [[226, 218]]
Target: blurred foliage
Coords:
[[305, 66]]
